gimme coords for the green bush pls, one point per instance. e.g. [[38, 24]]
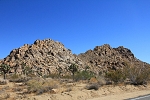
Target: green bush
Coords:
[[5, 69], [83, 75], [116, 76], [73, 68]]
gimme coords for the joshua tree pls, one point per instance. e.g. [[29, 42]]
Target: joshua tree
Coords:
[[26, 69], [86, 68], [73, 68], [5, 69]]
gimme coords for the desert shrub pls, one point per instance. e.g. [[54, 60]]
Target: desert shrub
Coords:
[[83, 75], [93, 86], [60, 70], [39, 85], [73, 68], [4, 69], [101, 80], [3, 82], [26, 69], [17, 78], [116, 76], [17, 89], [51, 75], [137, 75], [66, 77], [31, 75]]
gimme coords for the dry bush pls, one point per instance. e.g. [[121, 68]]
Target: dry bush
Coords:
[[138, 75], [17, 78], [93, 86], [17, 89], [39, 85], [101, 80], [3, 82]]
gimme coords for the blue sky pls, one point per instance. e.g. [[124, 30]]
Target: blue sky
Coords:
[[79, 24]]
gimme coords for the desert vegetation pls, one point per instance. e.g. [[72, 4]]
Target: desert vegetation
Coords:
[[4, 68], [48, 67], [28, 83]]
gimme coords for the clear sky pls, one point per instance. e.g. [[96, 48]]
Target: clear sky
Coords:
[[79, 24]]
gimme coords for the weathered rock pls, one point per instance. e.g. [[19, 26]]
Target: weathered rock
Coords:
[[44, 55], [104, 57]]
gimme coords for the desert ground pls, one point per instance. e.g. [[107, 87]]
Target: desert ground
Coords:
[[68, 90]]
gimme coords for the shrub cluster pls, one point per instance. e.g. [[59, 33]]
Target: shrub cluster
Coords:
[[39, 85], [137, 75], [17, 78], [83, 75], [116, 76]]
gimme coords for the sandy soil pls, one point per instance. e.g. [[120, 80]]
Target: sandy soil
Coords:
[[104, 93], [76, 91]]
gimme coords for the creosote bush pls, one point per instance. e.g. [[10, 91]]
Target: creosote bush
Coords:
[[137, 75], [17, 78], [116, 76], [83, 75], [39, 85]]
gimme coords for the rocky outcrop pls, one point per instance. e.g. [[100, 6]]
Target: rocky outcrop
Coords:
[[47, 56], [44, 55], [102, 58]]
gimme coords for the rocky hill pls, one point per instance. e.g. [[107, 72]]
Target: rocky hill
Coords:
[[48, 56], [102, 58], [44, 55]]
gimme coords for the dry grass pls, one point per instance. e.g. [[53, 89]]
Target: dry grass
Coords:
[[17, 78], [39, 85]]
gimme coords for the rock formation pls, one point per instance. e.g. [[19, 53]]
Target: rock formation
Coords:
[[104, 57], [48, 56], [44, 55]]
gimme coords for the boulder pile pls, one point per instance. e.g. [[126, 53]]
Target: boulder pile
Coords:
[[44, 55], [49, 56]]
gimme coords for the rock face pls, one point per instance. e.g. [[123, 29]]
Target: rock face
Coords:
[[104, 57], [44, 55], [48, 56]]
